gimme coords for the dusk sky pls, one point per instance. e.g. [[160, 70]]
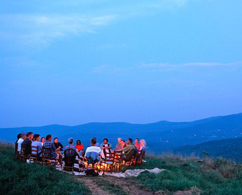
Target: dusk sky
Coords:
[[73, 62]]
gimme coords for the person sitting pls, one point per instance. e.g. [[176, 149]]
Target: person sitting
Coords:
[[79, 147], [58, 144], [119, 146], [93, 152], [37, 143], [123, 144], [142, 145], [18, 137], [55, 153], [42, 141], [137, 144], [71, 144], [27, 143], [20, 141], [97, 144], [129, 150], [106, 147]]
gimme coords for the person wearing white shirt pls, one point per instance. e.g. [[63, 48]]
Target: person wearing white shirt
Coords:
[[20, 141], [37, 143]]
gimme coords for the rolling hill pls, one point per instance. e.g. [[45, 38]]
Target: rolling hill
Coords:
[[226, 148], [160, 136]]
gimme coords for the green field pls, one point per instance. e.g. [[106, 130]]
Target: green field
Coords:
[[23, 178], [206, 176]]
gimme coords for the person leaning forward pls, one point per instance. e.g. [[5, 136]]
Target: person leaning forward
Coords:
[[129, 150]]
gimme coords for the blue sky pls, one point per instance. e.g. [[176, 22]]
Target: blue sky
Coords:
[[73, 62]]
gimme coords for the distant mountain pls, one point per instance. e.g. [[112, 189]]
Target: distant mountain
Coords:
[[160, 136], [226, 148]]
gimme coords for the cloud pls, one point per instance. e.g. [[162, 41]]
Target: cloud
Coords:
[[42, 29], [182, 65], [38, 30], [157, 67]]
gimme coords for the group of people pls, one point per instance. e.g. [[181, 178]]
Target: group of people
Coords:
[[25, 141]]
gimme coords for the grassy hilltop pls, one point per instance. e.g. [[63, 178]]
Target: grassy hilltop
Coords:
[[182, 176]]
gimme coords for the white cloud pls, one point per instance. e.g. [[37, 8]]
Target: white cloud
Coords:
[[39, 30], [157, 67], [42, 29]]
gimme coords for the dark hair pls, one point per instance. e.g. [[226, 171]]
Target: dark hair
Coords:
[[93, 141], [105, 139], [137, 139], [78, 141], [131, 140], [29, 133], [56, 138], [42, 138], [48, 136], [36, 136], [70, 140], [19, 136]]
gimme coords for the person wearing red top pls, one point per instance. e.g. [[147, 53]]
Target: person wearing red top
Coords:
[[79, 147], [137, 144]]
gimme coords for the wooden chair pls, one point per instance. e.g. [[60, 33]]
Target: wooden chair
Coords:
[[46, 158], [134, 159], [22, 156], [107, 164], [70, 159], [90, 164], [34, 157], [140, 157], [117, 160]]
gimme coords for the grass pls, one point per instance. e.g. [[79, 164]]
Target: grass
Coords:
[[110, 187], [210, 176], [23, 178]]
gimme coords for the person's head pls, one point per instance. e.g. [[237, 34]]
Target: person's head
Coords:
[[123, 143], [105, 140], [30, 135], [19, 136], [78, 142], [136, 140], [43, 139], [129, 141], [143, 142], [36, 137], [49, 138], [70, 140], [93, 142], [23, 136], [119, 140], [56, 140]]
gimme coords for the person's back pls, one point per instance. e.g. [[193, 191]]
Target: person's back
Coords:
[[93, 152], [49, 145], [27, 143], [37, 143]]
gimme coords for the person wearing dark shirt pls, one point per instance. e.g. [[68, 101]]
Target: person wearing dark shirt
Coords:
[[26, 145], [58, 144], [129, 150]]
